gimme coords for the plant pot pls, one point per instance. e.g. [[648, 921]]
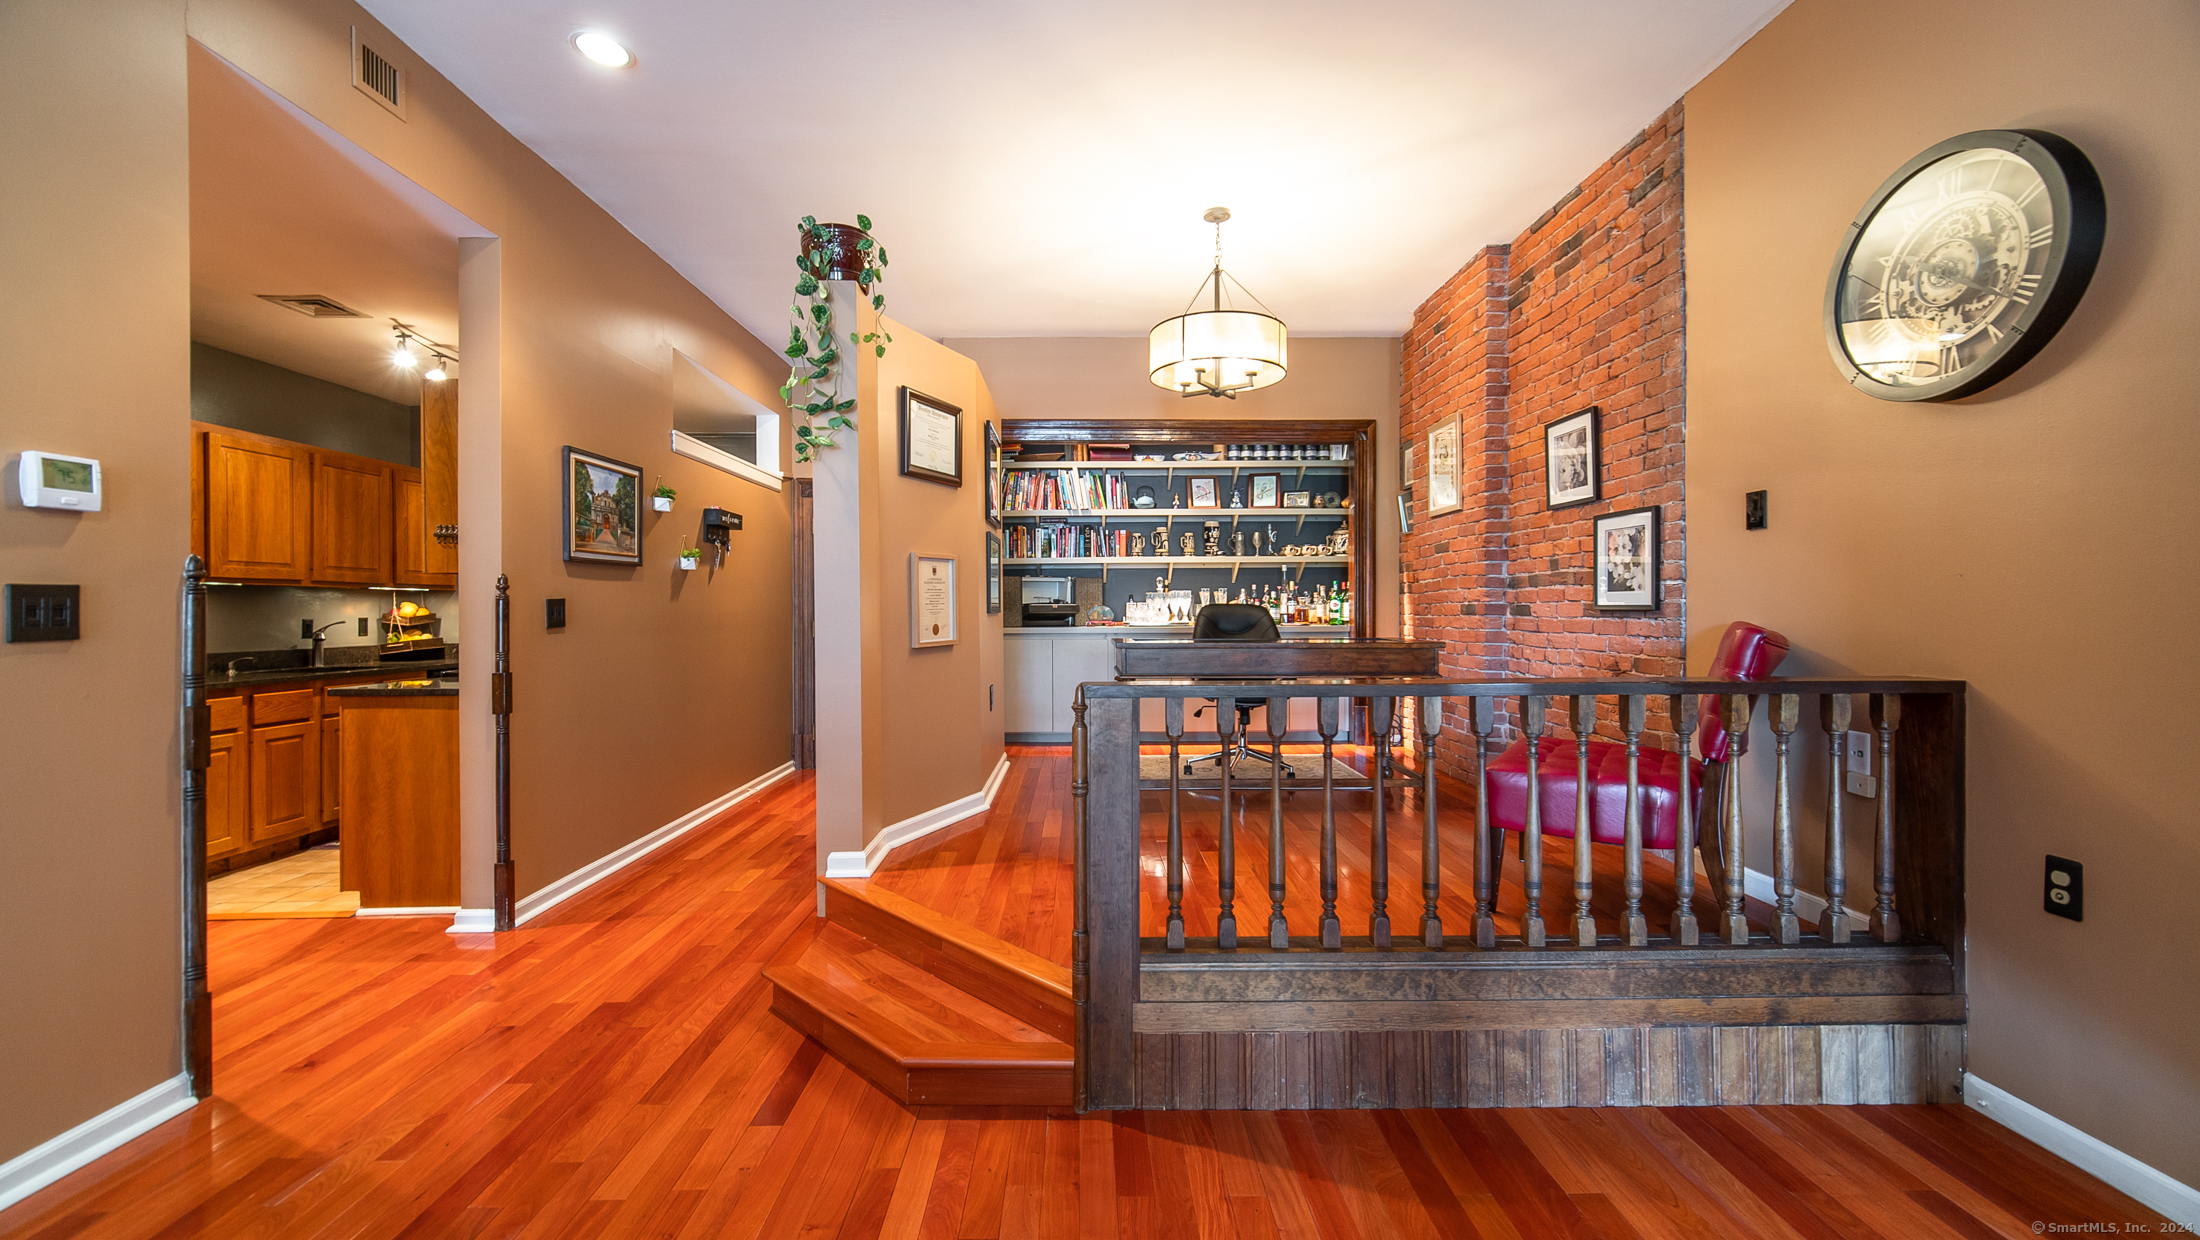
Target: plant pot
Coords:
[[690, 565], [662, 503], [845, 261]]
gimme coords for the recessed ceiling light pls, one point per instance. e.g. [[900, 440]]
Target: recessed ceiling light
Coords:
[[603, 49]]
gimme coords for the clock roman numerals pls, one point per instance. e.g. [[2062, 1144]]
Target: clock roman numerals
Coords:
[[2027, 285], [2041, 236]]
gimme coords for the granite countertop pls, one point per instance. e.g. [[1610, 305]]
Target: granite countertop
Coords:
[[1156, 630], [276, 667], [438, 686]]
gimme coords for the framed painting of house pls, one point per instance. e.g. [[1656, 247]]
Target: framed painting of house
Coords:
[[603, 509]]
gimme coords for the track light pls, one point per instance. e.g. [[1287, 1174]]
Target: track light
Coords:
[[435, 373], [441, 355]]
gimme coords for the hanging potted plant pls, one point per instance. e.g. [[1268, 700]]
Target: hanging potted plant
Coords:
[[661, 499], [813, 388], [691, 558]]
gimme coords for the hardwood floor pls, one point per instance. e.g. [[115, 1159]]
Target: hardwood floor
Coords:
[[611, 1069]]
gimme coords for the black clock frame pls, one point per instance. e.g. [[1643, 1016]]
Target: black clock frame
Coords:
[[2081, 223]]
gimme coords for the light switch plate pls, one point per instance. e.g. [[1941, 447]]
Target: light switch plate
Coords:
[[1857, 764], [2065, 888]]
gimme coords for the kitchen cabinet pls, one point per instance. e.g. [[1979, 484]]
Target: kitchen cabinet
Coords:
[[401, 777], [257, 501], [1029, 679], [354, 520], [225, 794], [332, 768], [418, 553], [439, 477], [286, 780], [275, 768]]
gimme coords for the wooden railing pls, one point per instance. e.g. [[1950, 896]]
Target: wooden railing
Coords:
[[1648, 966]]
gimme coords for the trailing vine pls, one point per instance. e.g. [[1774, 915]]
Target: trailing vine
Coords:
[[813, 387]]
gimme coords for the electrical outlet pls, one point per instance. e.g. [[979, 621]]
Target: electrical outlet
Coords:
[[2065, 896], [362, 626], [1856, 750], [305, 628], [553, 613], [1755, 511]]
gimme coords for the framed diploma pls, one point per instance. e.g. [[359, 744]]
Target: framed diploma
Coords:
[[931, 600], [1443, 467], [931, 439]]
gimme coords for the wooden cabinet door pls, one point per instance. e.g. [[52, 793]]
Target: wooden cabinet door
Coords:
[[286, 780], [353, 517], [258, 505], [439, 474], [416, 550], [226, 795]]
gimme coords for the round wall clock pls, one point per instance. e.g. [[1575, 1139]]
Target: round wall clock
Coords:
[[1963, 264]]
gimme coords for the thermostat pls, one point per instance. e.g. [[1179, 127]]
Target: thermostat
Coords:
[[51, 480]]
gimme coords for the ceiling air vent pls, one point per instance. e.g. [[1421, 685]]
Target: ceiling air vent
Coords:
[[313, 305], [376, 76]]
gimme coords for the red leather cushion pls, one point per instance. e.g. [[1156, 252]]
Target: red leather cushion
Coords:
[[1746, 652], [1658, 771]]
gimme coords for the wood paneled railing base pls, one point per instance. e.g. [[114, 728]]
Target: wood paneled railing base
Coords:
[[1757, 1065]]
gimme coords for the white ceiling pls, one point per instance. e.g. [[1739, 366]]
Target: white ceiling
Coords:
[[1038, 167], [282, 206]]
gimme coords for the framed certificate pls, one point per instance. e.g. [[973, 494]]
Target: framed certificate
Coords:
[[931, 600], [1443, 467], [931, 439]]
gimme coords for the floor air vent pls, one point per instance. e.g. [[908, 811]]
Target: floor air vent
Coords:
[[374, 75], [313, 305]]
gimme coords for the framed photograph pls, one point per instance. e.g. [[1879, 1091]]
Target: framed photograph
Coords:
[[603, 509], [1267, 490], [931, 439], [1405, 466], [993, 574], [1204, 491], [1627, 561], [1443, 467], [931, 600], [992, 478], [1298, 499], [1572, 459]]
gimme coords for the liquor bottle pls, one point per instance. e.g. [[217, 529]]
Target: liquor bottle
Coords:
[[1336, 605]]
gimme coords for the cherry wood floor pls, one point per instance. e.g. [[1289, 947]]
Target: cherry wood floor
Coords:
[[1010, 873], [611, 1069]]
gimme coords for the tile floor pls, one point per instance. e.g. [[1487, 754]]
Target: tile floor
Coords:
[[303, 884]]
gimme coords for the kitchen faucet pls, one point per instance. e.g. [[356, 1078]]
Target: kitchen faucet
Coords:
[[319, 640], [234, 664]]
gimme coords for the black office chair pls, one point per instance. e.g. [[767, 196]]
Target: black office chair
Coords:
[[1234, 622]]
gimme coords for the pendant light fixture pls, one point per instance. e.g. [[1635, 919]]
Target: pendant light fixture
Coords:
[[1218, 351]]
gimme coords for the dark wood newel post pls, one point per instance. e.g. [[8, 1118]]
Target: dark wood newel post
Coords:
[[197, 727], [500, 703], [1104, 945]]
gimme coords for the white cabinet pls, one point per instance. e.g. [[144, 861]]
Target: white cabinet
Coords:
[[1029, 676], [1077, 660], [1045, 666]]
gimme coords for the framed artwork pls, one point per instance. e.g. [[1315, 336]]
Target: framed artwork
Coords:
[[1627, 560], [603, 509], [1267, 490], [1405, 466], [931, 439], [1204, 491], [1572, 459], [993, 479], [1443, 467], [1298, 499], [931, 600], [993, 574]]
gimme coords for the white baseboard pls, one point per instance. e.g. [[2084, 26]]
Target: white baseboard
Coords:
[[34, 1169], [2120, 1171], [1810, 906], [909, 830], [425, 910], [612, 862], [473, 921]]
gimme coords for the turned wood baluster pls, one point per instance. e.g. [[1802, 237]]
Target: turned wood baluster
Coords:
[[1279, 720], [1488, 856], [1734, 919], [1378, 848], [1531, 828], [1886, 717], [1633, 711], [1172, 723], [1226, 914], [1584, 720], [1787, 712], [1325, 721], [1432, 925], [1680, 711], [1834, 716]]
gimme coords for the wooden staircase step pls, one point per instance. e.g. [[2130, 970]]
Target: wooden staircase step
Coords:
[[1029, 987], [922, 1040]]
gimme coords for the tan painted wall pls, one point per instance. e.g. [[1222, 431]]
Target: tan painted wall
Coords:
[[666, 688], [94, 360], [2027, 540], [1105, 377]]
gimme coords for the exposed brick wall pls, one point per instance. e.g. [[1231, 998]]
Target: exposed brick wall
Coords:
[[1583, 308]]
